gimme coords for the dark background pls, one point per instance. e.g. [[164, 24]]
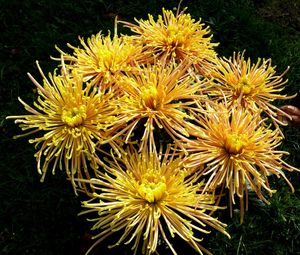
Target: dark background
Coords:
[[41, 218]]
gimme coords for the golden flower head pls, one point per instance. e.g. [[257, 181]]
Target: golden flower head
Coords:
[[160, 95], [102, 58], [239, 151], [70, 118], [252, 85], [176, 36], [141, 193]]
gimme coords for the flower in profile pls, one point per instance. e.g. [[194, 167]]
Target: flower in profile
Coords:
[[149, 196], [159, 96], [102, 58], [239, 152], [69, 119], [174, 36], [252, 85]]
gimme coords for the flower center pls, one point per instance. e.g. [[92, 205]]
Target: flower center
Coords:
[[235, 143], [152, 188], [75, 116], [175, 37], [172, 32], [244, 86], [151, 98]]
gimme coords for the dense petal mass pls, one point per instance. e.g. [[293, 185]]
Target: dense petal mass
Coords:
[[173, 36], [255, 86], [159, 95], [70, 118], [143, 192], [102, 58], [239, 151]]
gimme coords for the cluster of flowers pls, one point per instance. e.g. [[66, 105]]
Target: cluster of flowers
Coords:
[[154, 127]]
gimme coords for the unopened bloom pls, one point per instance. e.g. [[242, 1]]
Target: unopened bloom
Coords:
[[174, 36], [239, 152], [150, 196], [68, 120]]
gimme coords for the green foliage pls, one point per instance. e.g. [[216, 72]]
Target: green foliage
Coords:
[[41, 218], [267, 229]]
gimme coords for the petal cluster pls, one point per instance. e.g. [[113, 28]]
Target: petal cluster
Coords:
[[146, 195], [176, 36], [69, 119], [253, 85], [239, 151]]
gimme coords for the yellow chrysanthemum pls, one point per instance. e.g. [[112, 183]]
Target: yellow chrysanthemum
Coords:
[[149, 196], [254, 86], [70, 118], [158, 96], [239, 151], [173, 36], [103, 59]]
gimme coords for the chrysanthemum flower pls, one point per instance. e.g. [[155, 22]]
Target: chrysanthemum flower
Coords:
[[69, 118], [149, 196], [158, 95], [103, 58], [254, 86], [239, 151], [174, 36]]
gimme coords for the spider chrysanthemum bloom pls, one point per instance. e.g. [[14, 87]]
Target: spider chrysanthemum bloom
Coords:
[[150, 196], [252, 85], [159, 96], [239, 152], [103, 58], [69, 119], [174, 36]]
